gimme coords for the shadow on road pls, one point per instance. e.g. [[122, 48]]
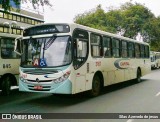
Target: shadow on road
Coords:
[[50, 100], [121, 85]]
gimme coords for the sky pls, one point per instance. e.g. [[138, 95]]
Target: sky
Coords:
[[66, 10]]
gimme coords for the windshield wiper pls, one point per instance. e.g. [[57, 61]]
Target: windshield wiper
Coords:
[[49, 43]]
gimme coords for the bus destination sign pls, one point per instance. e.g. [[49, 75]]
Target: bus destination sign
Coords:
[[46, 29]]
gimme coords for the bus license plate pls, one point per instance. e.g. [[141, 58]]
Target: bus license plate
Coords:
[[38, 87]]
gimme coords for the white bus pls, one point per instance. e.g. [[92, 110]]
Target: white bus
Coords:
[[71, 58], [155, 59], [9, 63]]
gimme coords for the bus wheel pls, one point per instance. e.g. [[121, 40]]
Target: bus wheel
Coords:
[[138, 79], [96, 87], [6, 85]]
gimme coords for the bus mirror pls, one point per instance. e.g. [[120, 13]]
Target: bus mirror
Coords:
[[18, 47], [79, 44]]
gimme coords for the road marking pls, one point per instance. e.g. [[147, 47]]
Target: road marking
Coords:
[[13, 87], [130, 120], [157, 94]]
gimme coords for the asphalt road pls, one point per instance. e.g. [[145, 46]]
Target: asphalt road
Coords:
[[127, 97]]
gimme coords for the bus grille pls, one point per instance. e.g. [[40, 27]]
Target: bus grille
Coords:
[[39, 72], [40, 81]]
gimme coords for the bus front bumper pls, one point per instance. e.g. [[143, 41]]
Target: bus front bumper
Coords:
[[64, 87]]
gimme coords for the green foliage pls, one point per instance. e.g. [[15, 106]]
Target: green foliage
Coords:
[[36, 3], [94, 19], [152, 28], [130, 20], [135, 18], [6, 3], [114, 19]]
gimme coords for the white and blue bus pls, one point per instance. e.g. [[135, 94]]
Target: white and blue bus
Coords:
[[71, 58]]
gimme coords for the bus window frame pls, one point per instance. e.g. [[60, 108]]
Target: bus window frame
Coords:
[[146, 53], [119, 48], [1, 56], [100, 45], [142, 50], [133, 50], [110, 46], [124, 49], [74, 40], [136, 51]]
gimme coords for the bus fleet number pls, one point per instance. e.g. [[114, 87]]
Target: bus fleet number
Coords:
[[6, 66]]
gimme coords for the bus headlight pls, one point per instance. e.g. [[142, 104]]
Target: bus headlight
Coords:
[[22, 79], [62, 78]]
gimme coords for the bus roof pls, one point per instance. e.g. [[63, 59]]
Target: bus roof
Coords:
[[74, 25]]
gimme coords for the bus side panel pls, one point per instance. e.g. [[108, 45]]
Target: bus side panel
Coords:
[[127, 74], [89, 78], [9, 66], [107, 68], [109, 78], [146, 67], [80, 78]]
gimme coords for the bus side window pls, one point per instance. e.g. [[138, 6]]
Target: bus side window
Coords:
[[137, 51], [142, 51], [7, 49], [116, 47], [146, 52], [96, 45], [131, 50], [80, 52], [107, 46], [124, 49]]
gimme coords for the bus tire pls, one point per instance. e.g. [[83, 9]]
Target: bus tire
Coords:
[[96, 86], [138, 78], [6, 85]]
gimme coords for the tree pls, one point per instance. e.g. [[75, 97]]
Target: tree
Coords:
[[98, 19], [6, 3], [135, 17], [152, 31], [94, 18], [114, 20], [129, 20]]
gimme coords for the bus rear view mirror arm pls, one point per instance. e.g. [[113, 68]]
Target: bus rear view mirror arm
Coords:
[[18, 47]]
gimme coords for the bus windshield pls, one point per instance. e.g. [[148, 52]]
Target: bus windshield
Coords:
[[46, 52]]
